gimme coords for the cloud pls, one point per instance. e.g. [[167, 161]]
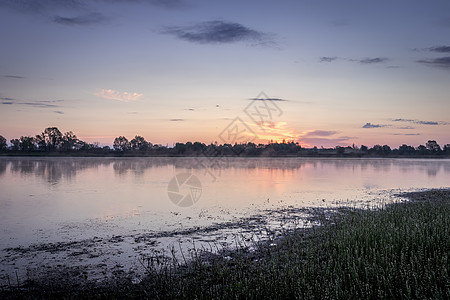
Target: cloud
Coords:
[[93, 18], [58, 112], [219, 32], [406, 134], [375, 60], [370, 125], [440, 62], [13, 77], [420, 122], [176, 120], [440, 49], [268, 99], [7, 98], [119, 96], [320, 133], [328, 59], [38, 104]]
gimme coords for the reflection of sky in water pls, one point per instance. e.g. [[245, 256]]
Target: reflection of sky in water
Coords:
[[60, 197]]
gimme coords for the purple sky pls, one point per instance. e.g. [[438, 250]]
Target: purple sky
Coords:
[[338, 72]]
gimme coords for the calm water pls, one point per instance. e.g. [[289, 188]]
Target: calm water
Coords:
[[51, 200]]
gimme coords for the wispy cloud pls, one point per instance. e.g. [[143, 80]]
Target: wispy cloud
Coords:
[[13, 77], [440, 62], [37, 104], [440, 49], [89, 19], [176, 120], [328, 59], [420, 122], [407, 134], [374, 60], [7, 98], [320, 133], [58, 112], [118, 96], [219, 32], [370, 125], [267, 99]]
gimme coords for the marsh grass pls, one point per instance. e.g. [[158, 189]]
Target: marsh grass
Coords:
[[399, 251]]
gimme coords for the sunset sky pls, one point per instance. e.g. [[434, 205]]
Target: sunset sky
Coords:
[[335, 72]]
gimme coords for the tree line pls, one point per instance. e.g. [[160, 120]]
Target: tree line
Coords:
[[52, 141]]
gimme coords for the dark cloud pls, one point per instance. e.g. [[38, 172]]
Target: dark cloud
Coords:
[[176, 120], [375, 60], [321, 133], [219, 32], [268, 99], [440, 49], [7, 98], [441, 62], [89, 19], [38, 104], [13, 76], [370, 125], [406, 134], [58, 112], [328, 58], [420, 122]]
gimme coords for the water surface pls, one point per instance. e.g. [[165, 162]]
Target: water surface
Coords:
[[109, 203]]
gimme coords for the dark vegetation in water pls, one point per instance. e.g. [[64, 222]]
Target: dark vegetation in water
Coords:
[[400, 251], [52, 142]]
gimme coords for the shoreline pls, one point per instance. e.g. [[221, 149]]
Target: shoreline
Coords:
[[274, 253]]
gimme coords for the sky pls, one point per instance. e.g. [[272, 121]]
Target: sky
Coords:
[[320, 73]]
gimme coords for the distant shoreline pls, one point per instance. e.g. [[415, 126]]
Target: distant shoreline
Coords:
[[131, 154]]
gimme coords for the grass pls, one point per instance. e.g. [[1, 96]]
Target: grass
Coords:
[[400, 251]]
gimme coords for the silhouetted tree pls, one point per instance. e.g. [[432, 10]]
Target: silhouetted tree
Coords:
[[69, 141], [15, 144], [446, 149], [52, 138], [405, 149], [121, 143], [26, 143], [433, 147], [363, 148], [386, 150], [139, 144], [3, 144], [422, 150]]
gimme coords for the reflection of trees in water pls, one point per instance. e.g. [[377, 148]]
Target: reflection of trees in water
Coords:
[[55, 169], [3, 165]]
